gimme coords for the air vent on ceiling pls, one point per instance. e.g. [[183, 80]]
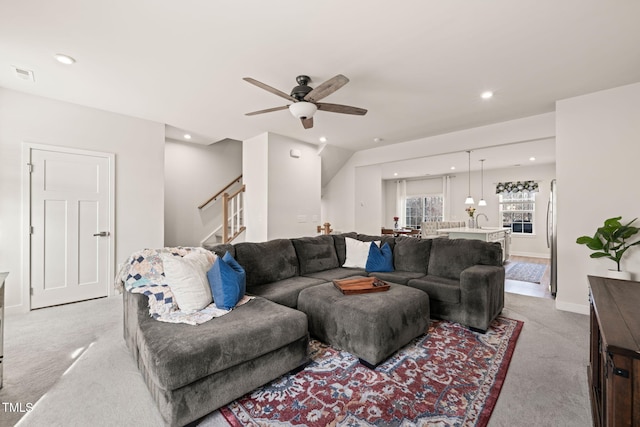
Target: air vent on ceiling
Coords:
[[23, 74]]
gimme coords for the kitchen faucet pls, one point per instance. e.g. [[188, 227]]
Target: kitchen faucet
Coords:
[[484, 215]]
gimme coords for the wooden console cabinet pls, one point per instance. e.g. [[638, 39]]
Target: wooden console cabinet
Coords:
[[614, 370]]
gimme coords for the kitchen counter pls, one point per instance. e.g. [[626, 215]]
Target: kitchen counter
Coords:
[[481, 230], [501, 235]]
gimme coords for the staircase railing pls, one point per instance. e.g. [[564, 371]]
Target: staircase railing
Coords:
[[232, 213], [215, 196]]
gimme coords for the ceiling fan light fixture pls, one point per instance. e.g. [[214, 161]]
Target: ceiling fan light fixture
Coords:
[[303, 109]]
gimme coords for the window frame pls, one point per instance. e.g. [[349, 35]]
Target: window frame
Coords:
[[527, 213], [424, 209]]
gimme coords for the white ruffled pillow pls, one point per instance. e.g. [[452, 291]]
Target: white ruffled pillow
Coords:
[[357, 253], [187, 278]]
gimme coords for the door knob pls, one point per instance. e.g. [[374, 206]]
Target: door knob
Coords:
[[102, 234]]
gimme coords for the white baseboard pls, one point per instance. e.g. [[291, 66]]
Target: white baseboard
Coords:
[[531, 254], [573, 308]]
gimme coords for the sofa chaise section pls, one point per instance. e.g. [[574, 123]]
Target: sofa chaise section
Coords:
[[193, 370]]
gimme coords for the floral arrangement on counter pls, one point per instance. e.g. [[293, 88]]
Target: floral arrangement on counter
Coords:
[[471, 211]]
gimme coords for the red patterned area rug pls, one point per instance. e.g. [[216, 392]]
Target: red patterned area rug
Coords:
[[449, 377]]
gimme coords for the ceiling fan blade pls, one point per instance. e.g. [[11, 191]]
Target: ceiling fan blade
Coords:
[[307, 123], [268, 110], [326, 88], [344, 109], [269, 89]]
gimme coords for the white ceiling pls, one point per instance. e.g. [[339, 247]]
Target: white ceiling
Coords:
[[418, 66], [521, 154]]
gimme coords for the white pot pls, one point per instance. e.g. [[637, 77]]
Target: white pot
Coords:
[[622, 275]]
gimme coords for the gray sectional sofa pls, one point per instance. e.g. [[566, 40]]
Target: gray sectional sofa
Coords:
[[192, 371]]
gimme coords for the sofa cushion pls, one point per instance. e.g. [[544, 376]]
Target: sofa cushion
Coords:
[[400, 277], [222, 249], [337, 273], [411, 254], [357, 253], [177, 354], [268, 261], [380, 258], [341, 246], [383, 239], [449, 257], [286, 291], [315, 254], [438, 288], [187, 277], [227, 279]]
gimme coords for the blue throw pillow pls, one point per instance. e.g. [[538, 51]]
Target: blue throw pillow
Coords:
[[227, 279], [380, 259]]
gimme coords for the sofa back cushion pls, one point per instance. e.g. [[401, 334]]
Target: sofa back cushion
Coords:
[[411, 254], [449, 257], [382, 239], [221, 249], [341, 246], [315, 254], [267, 262]]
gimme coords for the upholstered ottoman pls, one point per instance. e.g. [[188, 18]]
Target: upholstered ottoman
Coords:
[[370, 326]]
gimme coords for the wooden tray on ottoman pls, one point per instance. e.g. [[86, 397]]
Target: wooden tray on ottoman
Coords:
[[361, 285]]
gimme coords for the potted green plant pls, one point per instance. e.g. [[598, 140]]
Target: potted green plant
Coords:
[[612, 241]]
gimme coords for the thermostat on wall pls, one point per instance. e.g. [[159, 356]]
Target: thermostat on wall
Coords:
[[294, 153]]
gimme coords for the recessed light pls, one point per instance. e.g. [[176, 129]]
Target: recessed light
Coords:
[[533, 159], [323, 139], [453, 168], [64, 59], [395, 174], [487, 95], [187, 136]]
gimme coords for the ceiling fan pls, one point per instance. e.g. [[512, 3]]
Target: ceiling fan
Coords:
[[305, 99]]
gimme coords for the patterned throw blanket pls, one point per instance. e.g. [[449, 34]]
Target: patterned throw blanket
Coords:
[[143, 273]]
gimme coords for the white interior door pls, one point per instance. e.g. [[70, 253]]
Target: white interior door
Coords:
[[70, 220]]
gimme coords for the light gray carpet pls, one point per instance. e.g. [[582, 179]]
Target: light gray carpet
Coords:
[[546, 384]]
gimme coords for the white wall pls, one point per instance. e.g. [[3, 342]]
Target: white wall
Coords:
[[368, 199], [255, 171], [193, 173], [139, 149], [338, 196], [529, 245], [283, 192], [524, 245], [597, 153]]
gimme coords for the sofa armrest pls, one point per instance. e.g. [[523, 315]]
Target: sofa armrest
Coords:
[[481, 295]]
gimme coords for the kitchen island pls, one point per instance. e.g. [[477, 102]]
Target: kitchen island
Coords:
[[501, 235]]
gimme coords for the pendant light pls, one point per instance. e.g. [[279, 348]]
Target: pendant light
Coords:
[[482, 201], [469, 200]]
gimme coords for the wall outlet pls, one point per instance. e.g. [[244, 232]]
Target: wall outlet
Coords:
[[302, 218]]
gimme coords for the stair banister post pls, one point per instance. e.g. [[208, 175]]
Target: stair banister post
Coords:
[[225, 217]]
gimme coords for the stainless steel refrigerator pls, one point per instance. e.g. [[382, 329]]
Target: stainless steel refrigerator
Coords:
[[552, 238]]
